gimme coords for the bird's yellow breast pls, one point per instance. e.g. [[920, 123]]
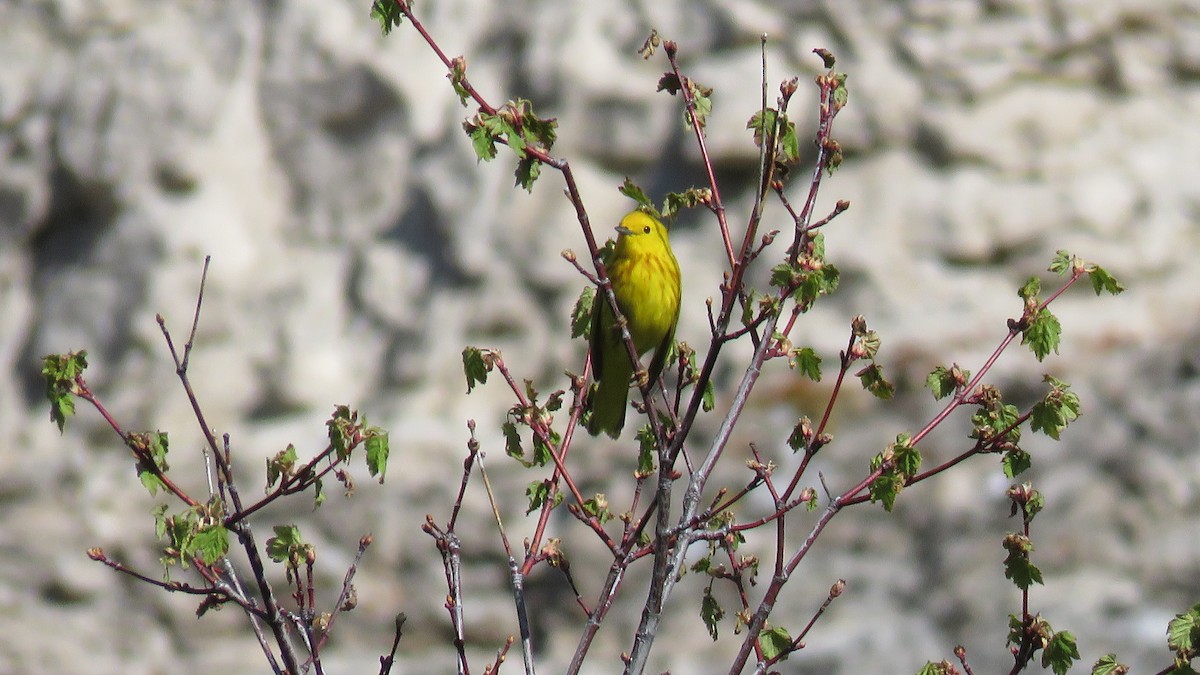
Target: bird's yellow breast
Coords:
[[648, 295]]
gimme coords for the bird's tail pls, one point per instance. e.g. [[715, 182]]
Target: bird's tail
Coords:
[[609, 404]]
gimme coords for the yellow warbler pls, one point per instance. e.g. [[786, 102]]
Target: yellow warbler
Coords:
[[645, 280]]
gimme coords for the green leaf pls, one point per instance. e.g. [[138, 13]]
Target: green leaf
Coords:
[[762, 123], [152, 447], [1108, 665], [1060, 653], [527, 172], [748, 307], [597, 507], [281, 465], [941, 382], [646, 451], [211, 544], [1035, 504], [675, 202], [60, 372], [905, 456], [512, 442], [1056, 410], [554, 401], [807, 362], [458, 78], [541, 451], [475, 367], [886, 488], [1030, 289], [581, 315], [319, 495], [287, 545], [151, 482], [873, 381], [1103, 282], [536, 492], [818, 282], [160, 520], [1183, 632], [377, 453], [1043, 334], [387, 14], [789, 142], [701, 102], [482, 140], [1016, 462], [636, 193], [711, 612], [774, 642], [798, 439], [1017, 565], [709, 400], [942, 668], [340, 428], [1062, 263], [841, 94]]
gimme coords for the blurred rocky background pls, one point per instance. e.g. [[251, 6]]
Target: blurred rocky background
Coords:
[[358, 245]]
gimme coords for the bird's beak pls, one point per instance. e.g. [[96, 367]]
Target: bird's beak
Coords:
[[624, 230]]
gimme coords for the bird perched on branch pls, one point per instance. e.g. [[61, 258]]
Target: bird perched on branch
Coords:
[[645, 281]]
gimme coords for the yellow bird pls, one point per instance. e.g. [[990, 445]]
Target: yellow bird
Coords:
[[645, 280]]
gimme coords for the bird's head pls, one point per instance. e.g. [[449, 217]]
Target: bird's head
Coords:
[[640, 232]]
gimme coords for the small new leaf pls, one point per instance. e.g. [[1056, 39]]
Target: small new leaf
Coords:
[[805, 360], [1103, 282], [281, 465], [941, 668], [1016, 462], [211, 544], [387, 13], [701, 102], [798, 439], [1108, 665], [774, 642], [763, 124], [711, 612], [841, 94], [475, 367], [340, 428], [60, 371], [512, 443], [1183, 632], [287, 545], [646, 452], [873, 381], [482, 139], [542, 450], [527, 172], [674, 202], [1017, 565], [536, 492], [1030, 289], [458, 78], [1043, 334], [637, 194], [1056, 410], [581, 315], [1063, 263], [377, 452], [709, 400], [941, 382], [1060, 653]]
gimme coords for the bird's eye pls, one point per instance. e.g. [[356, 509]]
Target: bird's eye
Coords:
[[646, 230]]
